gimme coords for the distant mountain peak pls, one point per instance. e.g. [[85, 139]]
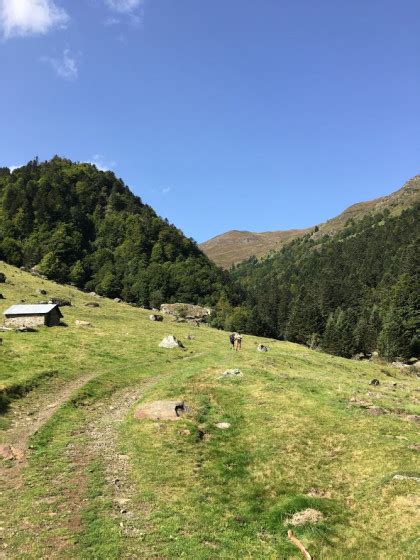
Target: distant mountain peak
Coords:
[[236, 246]]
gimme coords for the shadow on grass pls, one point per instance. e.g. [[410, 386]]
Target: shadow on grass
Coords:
[[19, 390]]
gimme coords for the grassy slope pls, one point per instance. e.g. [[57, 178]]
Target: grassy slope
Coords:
[[228, 494]]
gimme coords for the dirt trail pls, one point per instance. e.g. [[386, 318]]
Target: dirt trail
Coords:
[[103, 435], [101, 432], [30, 414]]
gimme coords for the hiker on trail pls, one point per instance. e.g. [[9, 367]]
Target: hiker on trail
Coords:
[[232, 341], [238, 341]]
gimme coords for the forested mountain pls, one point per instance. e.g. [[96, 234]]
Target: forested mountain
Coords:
[[355, 291], [352, 285], [234, 247], [77, 224]]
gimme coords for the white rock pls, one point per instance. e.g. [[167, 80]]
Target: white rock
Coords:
[[223, 425], [171, 342]]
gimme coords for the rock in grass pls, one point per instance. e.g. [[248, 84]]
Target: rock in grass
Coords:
[[1, 296], [41, 292], [60, 302], [83, 323], [92, 304], [6, 452], [161, 410], [406, 477], [399, 365], [231, 373], [223, 425], [2, 278], [171, 342], [10, 453], [376, 410], [262, 348], [374, 382], [304, 517], [154, 317]]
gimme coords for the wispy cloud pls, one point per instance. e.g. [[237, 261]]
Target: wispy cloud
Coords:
[[124, 6], [102, 163], [166, 190], [65, 66], [128, 11], [20, 18]]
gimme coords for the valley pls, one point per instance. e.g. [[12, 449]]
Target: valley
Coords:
[[306, 432]]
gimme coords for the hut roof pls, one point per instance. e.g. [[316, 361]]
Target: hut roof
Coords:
[[32, 309]]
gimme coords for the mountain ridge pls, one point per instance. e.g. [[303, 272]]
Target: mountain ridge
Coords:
[[235, 246]]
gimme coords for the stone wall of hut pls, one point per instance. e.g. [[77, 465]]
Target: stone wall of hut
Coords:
[[25, 321]]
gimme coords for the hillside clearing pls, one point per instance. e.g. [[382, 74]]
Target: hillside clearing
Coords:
[[100, 484]]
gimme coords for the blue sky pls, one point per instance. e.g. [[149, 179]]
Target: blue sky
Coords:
[[221, 114]]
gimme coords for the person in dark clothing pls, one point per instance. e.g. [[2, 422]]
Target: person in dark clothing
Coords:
[[232, 341]]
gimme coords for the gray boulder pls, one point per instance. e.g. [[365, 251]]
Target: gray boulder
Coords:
[[2, 278], [262, 348], [171, 342], [41, 292], [399, 365], [60, 302], [161, 410], [154, 317]]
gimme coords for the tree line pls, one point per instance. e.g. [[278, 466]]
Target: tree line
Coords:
[[76, 224], [355, 292]]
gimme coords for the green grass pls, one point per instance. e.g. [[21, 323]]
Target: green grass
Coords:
[[197, 491]]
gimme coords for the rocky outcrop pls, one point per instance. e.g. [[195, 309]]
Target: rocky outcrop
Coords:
[[186, 311]]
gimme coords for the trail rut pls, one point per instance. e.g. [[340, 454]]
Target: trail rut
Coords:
[[29, 415]]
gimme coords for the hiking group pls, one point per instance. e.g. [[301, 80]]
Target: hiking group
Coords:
[[235, 341]]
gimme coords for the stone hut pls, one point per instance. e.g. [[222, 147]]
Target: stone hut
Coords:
[[33, 315]]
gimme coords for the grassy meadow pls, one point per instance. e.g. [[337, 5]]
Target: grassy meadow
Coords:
[[98, 484]]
